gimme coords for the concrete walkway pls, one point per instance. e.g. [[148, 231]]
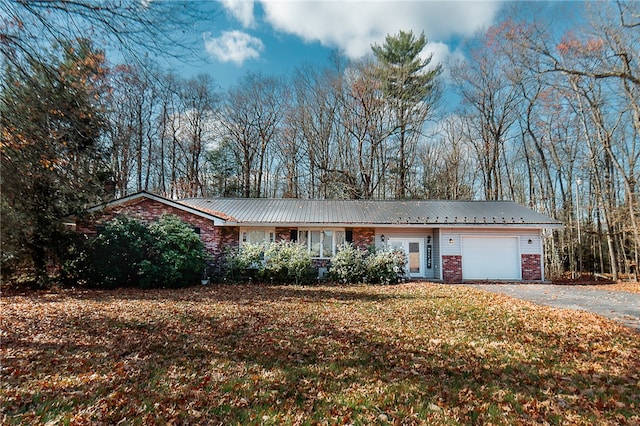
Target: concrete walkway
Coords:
[[617, 305]]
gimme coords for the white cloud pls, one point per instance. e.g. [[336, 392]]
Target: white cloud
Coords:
[[233, 46], [439, 51], [242, 10], [353, 25]]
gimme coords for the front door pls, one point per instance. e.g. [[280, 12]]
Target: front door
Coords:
[[413, 248]]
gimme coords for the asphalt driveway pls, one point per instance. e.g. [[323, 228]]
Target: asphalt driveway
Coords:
[[617, 305]]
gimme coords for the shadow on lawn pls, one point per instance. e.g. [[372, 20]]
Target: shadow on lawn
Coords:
[[237, 293], [319, 357], [308, 363]]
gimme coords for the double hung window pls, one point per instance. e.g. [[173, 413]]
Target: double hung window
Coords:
[[322, 243], [257, 236]]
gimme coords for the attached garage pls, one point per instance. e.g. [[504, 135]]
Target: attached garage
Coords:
[[452, 241], [490, 258]]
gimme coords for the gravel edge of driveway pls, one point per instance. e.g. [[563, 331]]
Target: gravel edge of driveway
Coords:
[[622, 307]]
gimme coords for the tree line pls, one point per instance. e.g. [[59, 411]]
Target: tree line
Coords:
[[547, 118]]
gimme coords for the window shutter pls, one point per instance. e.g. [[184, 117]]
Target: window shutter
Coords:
[[293, 235], [348, 235]]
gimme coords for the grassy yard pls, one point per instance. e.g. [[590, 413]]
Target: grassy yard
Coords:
[[410, 354]]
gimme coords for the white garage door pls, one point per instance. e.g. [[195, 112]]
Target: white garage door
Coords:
[[486, 258]]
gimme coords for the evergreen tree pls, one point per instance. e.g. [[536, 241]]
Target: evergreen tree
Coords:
[[410, 90], [51, 162]]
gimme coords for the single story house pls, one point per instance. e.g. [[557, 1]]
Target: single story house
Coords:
[[450, 241]]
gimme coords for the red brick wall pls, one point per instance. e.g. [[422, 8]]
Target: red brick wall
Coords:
[[227, 238], [452, 268], [148, 210], [363, 237], [531, 267]]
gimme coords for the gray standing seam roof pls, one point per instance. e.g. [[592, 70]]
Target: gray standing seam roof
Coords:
[[375, 212]]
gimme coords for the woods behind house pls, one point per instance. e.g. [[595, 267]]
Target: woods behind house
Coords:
[[548, 118]]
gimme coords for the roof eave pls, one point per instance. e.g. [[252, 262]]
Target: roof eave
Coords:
[[392, 225], [144, 194]]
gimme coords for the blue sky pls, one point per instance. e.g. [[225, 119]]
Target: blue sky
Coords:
[[276, 37]]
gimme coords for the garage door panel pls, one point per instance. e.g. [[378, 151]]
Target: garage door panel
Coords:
[[486, 258]]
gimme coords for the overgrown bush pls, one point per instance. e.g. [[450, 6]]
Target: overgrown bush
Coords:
[[176, 257], [114, 257], [237, 262], [348, 265], [282, 261], [385, 266], [129, 253], [287, 259]]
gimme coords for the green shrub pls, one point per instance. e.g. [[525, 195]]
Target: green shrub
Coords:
[[385, 266], [348, 265], [282, 261], [114, 258], [129, 253], [285, 260], [251, 256], [176, 257], [238, 261]]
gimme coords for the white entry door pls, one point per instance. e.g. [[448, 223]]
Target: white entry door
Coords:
[[414, 249]]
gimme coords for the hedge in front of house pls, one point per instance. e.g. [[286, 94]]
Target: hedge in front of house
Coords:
[[279, 262], [385, 266], [351, 265], [287, 261], [130, 253], [348, 265]]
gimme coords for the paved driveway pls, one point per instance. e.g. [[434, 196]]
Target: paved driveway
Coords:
[[617, 305]]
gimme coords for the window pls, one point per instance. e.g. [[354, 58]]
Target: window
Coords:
[[322, 243], [256, 236]]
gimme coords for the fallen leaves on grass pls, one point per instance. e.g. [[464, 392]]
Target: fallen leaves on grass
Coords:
[[408, 354]]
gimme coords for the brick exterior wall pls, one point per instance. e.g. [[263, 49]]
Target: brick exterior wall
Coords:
[[452, 268], [363, 238], [214, 239], [531, 267], [225, 239]]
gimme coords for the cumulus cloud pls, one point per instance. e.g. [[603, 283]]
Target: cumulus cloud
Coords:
[[443, 55], [353, 25], [233, 46], [242, 10], [438, 51]]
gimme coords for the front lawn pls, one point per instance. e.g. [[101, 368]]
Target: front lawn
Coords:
[[407, 354]]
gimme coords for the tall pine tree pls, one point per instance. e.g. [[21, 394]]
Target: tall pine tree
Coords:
[[411, 90]]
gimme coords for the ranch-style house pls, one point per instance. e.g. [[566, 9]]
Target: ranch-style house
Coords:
[[449, 241]]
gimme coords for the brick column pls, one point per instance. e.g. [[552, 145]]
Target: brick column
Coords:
[[531, 267], [452, 268]]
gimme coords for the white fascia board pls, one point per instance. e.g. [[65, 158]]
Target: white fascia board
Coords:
[[396, 225], [217, 221]]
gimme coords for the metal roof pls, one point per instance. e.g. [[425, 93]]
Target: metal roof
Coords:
[[294, 211]]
